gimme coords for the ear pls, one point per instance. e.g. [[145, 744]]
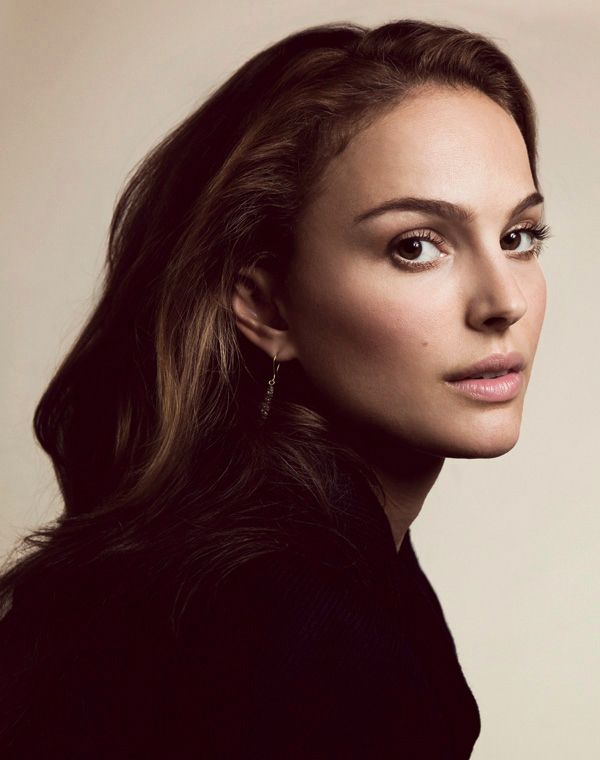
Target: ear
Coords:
[[258, 313]]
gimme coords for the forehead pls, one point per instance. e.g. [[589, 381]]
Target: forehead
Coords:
[[441, 142]]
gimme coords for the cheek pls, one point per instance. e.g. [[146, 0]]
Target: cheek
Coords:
[[537, 303], [361, 330]]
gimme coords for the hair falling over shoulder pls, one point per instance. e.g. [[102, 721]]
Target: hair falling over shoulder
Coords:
[[151, 420]]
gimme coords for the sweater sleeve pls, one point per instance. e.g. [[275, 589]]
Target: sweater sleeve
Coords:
[[292, 662]]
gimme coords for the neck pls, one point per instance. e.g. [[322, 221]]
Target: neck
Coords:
[[405, 482], [406, 475]]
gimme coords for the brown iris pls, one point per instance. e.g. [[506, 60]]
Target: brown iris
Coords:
[[514, 239], [410, 248]]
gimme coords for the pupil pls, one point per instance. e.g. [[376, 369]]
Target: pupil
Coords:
[[411, 248]]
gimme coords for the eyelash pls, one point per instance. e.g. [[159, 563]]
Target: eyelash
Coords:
[[540, 232]]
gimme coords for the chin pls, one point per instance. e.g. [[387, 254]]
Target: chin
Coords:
[[475, 441], [488, 451], [489, 435], [484, 446]]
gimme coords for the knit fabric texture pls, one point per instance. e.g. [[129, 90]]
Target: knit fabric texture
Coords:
[[290, 660]]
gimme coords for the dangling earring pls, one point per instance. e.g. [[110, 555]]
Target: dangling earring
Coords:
[[266, 404]]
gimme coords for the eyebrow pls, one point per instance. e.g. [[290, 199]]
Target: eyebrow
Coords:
[[441, 208]]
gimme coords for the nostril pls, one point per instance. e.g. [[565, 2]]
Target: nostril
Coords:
[[498, 322]]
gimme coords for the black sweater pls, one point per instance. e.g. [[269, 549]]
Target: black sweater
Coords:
[[289, 660]]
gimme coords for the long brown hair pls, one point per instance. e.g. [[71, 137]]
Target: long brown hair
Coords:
[[152, 419]]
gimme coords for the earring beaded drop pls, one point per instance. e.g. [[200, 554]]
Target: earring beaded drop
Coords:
[[266, 404]]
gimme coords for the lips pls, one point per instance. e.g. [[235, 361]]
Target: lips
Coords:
[[494, 365]]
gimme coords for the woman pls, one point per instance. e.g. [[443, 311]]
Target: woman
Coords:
[[318, 287]]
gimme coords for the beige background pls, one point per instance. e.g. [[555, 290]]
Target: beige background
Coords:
[[511, 544]]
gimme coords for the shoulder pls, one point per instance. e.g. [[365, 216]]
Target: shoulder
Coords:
[[295, 618], [275, 591], [289, 650]]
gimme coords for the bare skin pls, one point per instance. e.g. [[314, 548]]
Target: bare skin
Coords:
[[377, 337]]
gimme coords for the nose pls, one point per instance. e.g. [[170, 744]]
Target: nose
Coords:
[[496, 301]]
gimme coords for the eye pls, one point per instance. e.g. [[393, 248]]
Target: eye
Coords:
[[519, 241], [416, 249]]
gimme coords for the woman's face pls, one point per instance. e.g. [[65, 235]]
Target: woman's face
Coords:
[[383, 309]]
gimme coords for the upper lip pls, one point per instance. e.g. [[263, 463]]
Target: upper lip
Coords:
[[512, 361]]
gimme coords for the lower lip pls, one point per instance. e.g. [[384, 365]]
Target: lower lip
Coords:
[[502, 388]]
